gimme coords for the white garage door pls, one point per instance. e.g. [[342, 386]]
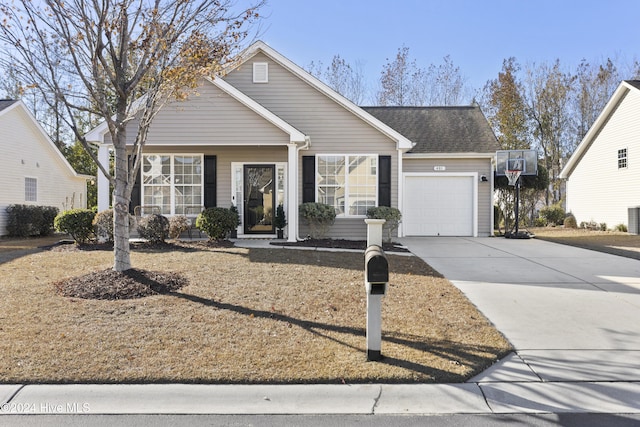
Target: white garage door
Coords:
[[438, 206]]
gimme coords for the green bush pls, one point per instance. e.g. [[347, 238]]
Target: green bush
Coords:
[[178, 224], [553, 215], [392, 216], [154, 228], [570, 221], [603, 226], [103, 225], [621, 227], [319, 217], [30, 220], [78, 223], [280, 220], [217, 222]]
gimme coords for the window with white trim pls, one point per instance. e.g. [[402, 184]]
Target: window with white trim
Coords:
[[173, 183], [31, 189], [622, 158], [349, 183]]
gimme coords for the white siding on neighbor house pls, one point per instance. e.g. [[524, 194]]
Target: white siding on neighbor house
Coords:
[[332, 128], [596, 189], [25, 152], [481, 166]]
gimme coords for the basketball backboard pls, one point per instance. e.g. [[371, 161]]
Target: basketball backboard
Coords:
[[523, 160]]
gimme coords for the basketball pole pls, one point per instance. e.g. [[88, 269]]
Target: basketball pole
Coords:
[[517, 212]]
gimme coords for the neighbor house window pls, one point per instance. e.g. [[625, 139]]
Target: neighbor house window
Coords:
[[31, 189], [348, 183], [622, 158], [172, 183]]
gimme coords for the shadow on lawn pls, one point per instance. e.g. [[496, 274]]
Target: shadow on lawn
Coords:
[[462, 354]]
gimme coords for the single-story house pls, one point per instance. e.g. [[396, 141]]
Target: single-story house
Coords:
[[601, 175], [34, 171], [267, 133]]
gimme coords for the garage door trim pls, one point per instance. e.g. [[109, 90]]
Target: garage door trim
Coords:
[[474, 179]]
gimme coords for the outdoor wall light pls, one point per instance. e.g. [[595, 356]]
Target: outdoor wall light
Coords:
[[483, 178]]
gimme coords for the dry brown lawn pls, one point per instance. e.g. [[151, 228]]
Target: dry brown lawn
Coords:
[[613, 242], [245, 316]]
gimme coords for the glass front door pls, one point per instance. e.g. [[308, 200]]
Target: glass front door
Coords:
[[259, 199]]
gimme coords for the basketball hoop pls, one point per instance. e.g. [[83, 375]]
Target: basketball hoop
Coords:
[[512, 175]]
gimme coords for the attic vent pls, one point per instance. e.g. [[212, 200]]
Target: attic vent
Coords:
[[260, 72]]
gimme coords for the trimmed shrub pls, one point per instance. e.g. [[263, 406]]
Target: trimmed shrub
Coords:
[[319, 217], [591, 225], [553, 215], [603, 226], [217, 222], [103, 225], [78, 223], [570, 221], [178, 224], [621, 227], [154, 228], [30, 220], [393, 217]]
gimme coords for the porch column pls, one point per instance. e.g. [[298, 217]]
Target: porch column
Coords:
[[103, 181], [292, 193]]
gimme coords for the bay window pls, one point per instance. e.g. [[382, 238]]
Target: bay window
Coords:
[[347, 182]]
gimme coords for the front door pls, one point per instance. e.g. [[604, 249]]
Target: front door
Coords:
[[259, 199]]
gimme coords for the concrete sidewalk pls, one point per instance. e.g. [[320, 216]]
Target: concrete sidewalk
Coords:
[[572, 315]]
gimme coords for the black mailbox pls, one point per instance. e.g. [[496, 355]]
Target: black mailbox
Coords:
[[376, 266]]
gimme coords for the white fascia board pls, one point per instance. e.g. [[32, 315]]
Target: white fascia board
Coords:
[[602, 119], [96, 135], [402, 143], [449, 155], [295, 136], [45, 136]]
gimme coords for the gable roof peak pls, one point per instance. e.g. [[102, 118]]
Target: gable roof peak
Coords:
[[402, 142]]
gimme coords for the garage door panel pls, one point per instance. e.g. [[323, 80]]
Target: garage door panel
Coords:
[[438, 206]]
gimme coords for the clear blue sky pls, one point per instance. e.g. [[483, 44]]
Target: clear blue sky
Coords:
[[477, 34]]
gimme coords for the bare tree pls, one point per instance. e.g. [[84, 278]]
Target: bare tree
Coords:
[[399, 80], [340, 76], [119, 60], [548, 96], [594, 86]]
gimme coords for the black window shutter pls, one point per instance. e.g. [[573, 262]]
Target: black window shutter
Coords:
[[210, 197], [384, 181], [136, 196], [308, 179]]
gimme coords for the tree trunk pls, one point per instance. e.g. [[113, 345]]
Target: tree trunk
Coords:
[[121, 252]]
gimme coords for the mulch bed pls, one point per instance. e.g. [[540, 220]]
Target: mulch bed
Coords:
[[112, 285], [342, 244]]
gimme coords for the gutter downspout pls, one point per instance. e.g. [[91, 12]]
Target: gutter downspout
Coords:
[[294, 156]]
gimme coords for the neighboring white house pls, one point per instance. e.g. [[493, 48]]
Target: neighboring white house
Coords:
[[34, 171], [603, 173], [269, 133]]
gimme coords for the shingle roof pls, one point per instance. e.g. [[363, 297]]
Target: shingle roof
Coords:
[[440, 129], [634, 83], [4, 103]]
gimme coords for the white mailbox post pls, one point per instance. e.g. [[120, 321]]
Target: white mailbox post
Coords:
[[376, 279]]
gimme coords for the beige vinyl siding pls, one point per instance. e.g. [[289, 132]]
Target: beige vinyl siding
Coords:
[[333, 129], [597, 190], [210, 117], [224, 157], [26, 153], [481, 166]]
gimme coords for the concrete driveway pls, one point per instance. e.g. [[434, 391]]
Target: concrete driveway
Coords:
[[573, 316]]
